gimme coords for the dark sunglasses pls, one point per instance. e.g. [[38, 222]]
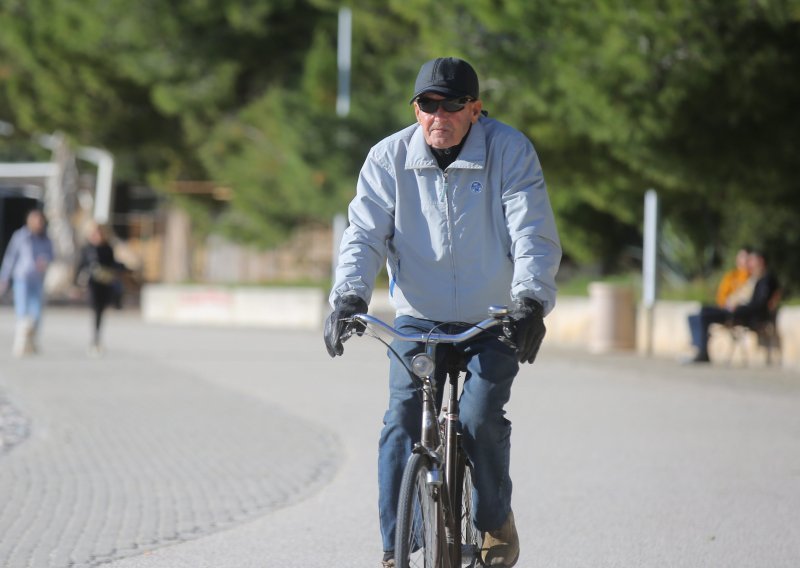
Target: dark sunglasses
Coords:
[[430, 106]]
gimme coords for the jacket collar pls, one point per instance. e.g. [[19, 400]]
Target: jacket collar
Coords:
[[472, 155]]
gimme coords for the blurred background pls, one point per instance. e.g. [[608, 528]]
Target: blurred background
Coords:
[[231, 159], [220, 142]]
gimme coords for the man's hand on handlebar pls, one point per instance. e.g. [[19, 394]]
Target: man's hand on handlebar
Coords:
[[336, 325], [528, 328]]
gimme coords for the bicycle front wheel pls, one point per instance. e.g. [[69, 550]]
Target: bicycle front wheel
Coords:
[[419, 542], [471, 540]]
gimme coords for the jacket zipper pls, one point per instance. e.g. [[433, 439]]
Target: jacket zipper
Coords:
[[448, 216]]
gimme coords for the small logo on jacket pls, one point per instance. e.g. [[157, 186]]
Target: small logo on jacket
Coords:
[[476, 187]]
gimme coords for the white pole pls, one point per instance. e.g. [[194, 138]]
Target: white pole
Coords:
[[343, 61], [650, 261], [103, 188]]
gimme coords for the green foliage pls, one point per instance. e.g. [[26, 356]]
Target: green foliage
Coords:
[[695, 99], [269, 162], [145, 79]]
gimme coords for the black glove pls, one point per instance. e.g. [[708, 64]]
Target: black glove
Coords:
[[345, 307], [528, 318]]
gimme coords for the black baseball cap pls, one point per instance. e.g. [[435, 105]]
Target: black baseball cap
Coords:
[[447, 76]]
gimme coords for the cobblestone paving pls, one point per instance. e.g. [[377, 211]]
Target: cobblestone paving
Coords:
[[126, 454], [14, 426]]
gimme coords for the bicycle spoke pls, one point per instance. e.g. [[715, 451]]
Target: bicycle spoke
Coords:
[[470, 537]]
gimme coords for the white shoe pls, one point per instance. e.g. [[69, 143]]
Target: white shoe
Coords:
[[30, 339], [23, 339], [18, 347]]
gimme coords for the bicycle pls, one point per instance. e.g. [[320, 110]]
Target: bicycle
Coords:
[[434, 525]]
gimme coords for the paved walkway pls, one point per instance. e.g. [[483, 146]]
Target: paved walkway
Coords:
[[130, 452], [200, 447], [14, 426]]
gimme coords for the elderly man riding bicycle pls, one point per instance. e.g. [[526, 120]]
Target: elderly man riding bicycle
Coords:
[[457, 205]]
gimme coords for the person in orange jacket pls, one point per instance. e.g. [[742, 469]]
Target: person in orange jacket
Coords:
[[736, 287]]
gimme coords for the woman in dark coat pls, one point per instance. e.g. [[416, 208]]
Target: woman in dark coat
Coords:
[[98, 263]]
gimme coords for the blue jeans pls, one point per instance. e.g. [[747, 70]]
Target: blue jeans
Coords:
[[28, 300], [700, 322], [491, 368]]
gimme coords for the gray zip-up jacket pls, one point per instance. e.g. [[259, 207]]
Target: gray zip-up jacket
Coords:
[[479, 233]]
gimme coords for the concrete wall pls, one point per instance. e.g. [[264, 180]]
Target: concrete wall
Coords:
[[576, 322], [291, 308]]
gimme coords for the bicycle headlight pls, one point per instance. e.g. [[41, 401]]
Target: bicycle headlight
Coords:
[[422, 365]]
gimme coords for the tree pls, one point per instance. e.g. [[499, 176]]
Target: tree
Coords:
[[695, 99], [145, 79]]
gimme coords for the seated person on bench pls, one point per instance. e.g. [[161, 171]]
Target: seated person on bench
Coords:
[[750, 313]]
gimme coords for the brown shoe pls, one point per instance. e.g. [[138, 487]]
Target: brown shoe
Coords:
[[501, 546], [388, 563]]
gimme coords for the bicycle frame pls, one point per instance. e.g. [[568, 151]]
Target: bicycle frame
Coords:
[[443, 450], [451, 505]]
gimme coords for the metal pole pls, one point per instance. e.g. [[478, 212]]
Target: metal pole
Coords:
[[650, 263], [103, 192], [343, 61]]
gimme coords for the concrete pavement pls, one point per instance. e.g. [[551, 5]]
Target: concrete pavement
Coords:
[[209, 447], [130, 452]]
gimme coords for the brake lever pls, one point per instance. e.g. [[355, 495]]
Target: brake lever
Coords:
[[352, 326], [508, 334]]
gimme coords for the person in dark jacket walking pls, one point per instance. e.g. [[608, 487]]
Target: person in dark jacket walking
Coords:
[[101, 271]]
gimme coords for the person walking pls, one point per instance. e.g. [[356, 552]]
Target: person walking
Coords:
[[457, 205], [25, 263], [100, 269]]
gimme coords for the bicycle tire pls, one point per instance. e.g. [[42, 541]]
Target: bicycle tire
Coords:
[[419, 542], [471, 540]]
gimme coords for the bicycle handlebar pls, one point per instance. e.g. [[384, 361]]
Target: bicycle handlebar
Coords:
[[426, 337]]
